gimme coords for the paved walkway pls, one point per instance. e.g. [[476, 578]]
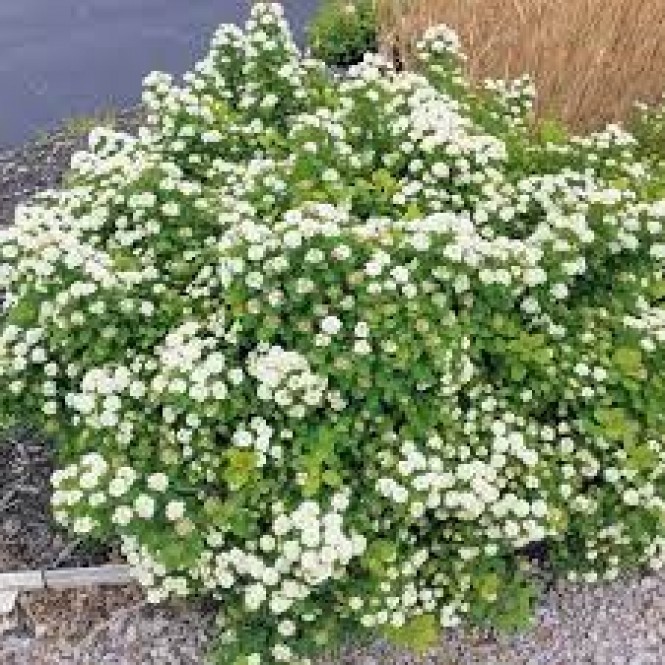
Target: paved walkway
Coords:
[[63, 58]]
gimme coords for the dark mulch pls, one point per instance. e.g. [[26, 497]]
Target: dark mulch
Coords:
[[28, 537]]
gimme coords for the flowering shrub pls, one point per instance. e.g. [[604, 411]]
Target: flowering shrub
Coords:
[[344, 352]]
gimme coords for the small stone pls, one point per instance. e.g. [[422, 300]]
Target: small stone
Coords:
[[7, 603]]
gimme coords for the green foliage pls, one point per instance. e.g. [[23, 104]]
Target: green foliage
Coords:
[[342, 31], [648, 126], [419, 634]]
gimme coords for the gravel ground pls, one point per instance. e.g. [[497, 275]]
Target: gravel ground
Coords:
[[101, 627], [622, 623]]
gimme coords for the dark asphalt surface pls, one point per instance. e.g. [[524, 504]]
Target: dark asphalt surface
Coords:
[[65, 58]]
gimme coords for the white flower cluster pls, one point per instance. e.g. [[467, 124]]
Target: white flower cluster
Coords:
[[285, 378], [346, 351], [440, 39]]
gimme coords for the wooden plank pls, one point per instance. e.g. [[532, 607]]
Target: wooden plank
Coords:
[[24, 580], [67, 578]]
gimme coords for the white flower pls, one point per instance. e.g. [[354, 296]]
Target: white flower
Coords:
[[118, 486], [96, 499], [171, 209], [175, 510], [144, 506], [631, 497], [282, 653], [331, 325], [362, 347], [122, 515], [440, 170], [255, 595], [559, 291], [267, 543], [88, 480], [282, 525], [83, 525], [158, 482], [286, 628], [147, 308], [361, 329]]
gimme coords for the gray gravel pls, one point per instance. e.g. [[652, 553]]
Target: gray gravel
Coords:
[[102, 627], [622, 623]]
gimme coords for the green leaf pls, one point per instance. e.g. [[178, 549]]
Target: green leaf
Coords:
[[384, 180], [488, 586], [240, 523], [517, 372], [615, 424], [515, 612], [629, 361], [181, 553], [378, 554], [641, 457], [332, 478], [23, 313], [418, 634], [657, 289], [413, 212], [241, 466], [552, 131], [312, 482]]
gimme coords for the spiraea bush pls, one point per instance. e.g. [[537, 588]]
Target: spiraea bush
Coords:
[[345, 352]]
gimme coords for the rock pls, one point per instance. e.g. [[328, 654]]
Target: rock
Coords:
[[7, 607]]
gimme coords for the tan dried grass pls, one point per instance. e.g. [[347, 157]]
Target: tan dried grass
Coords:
[[591, 59]]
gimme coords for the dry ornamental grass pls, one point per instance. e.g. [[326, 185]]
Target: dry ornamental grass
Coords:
[[591, 59]]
